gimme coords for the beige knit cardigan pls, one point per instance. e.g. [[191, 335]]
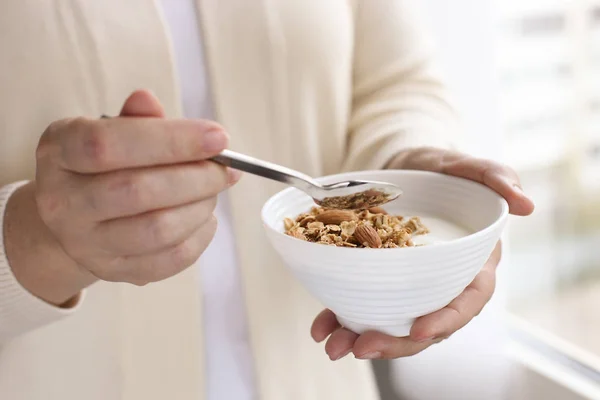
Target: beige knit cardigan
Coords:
[[320, 86]]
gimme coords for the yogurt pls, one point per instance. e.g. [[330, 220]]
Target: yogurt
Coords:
[[440, 230]]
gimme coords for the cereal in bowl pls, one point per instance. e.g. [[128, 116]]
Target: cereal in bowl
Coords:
[[373, 228]]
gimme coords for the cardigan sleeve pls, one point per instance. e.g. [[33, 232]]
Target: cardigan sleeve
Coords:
[[399, 100], [21, 311]]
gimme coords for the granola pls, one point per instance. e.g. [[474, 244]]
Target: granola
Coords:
[[357, 201], [373, 228]]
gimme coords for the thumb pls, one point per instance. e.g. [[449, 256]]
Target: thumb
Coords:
[[142, 103]]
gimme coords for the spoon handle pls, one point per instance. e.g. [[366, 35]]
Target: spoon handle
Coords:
[[266, 169]]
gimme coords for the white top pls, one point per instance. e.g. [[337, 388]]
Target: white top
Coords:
[[229, 363]]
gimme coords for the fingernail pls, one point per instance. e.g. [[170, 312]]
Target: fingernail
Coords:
[[214, 141], [370, 356], [517, 188], [342, 355], [233, 175]]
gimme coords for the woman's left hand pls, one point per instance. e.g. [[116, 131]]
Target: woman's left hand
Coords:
[[435, 327]]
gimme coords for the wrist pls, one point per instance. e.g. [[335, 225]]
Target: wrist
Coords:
[[36, 258]]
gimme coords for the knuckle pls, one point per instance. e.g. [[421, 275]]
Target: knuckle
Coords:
[[94, 145], [78, 124], [50, 204], [129, 188], [161, 227], [42, 151], [45, 142], [49, 141], [505, 169], [493, 167], [86, 145], [186, 253], [443, 338]]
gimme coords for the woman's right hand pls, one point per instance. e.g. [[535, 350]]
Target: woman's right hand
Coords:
[[131, 199]]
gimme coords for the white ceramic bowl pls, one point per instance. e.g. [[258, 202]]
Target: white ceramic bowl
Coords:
[[386, 289]]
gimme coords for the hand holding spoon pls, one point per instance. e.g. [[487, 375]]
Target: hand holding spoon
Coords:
[[349, 195]]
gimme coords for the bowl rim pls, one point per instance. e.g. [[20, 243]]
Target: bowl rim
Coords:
[[352, 175]]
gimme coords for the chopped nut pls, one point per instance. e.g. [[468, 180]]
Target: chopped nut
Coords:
[[306, 220], [401, 237], [348, 228], [416, 226], [365, 214], [382, 220], [315, 225], [333, 228], [382, 234], [288, 223], [297, 232]]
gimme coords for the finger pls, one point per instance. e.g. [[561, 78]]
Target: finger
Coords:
[[142, 103], [94, 146], [375, 345], [153, 231], [142, 270], [130, 192], [498, 177], [323, 325], [461, 310], [340, 343]]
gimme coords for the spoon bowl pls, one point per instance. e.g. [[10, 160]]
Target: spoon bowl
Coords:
[[356, 194]]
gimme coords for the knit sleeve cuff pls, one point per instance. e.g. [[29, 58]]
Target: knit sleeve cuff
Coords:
[[21, 311]]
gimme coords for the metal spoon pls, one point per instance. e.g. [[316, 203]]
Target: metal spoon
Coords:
[[353, 194]]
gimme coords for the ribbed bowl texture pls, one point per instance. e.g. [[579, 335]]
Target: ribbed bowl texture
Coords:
[[387, 289]]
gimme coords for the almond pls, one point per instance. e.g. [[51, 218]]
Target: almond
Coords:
[[367, 235], [377, 210], [336, 217]]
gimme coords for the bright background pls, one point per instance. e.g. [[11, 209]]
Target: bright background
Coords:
[[526, 77]]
